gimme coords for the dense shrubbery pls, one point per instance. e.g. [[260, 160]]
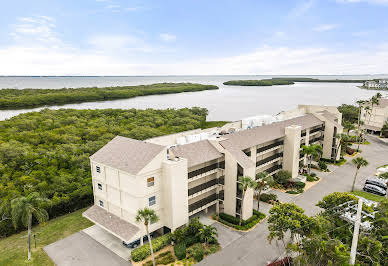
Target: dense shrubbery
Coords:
[[49, 151], [180, 250], [282, 177], [232, 221], [163, 258], [322, 165], [144, 251], [269, 198], [349, 113], [196, 251], [25, 98]]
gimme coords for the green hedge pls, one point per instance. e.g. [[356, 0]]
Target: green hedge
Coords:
[[268, 197], [163, 258], [196, 251], [140, 253], [246, 224], [180, 250]]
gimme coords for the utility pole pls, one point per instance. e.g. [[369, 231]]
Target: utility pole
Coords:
[[356, 230]]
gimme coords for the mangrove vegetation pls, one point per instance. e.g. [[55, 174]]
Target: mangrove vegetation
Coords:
[[286, 81]]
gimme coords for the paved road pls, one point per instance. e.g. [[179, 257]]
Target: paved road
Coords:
[[252, 248], [79, 249]]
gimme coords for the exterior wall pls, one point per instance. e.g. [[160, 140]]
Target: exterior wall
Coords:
[[291, 150], [247, 206], [377, 117], [175, 184], [230, 184]]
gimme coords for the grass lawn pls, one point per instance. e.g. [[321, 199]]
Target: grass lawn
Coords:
[[13, 249], [369, 196]]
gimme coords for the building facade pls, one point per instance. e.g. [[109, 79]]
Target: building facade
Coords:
[[376, 84], [374, 119], [182, 174]]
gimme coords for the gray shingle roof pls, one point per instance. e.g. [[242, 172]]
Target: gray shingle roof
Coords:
[[238, 154], [259, 135], [197, 152], [123, 229], [127, 154]]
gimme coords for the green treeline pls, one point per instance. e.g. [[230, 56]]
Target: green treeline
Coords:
[[286, 81], [48, 151], [263, 82], [27, 98]]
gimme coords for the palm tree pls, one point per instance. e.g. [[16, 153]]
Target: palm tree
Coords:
[[375, 100], [22, 210], [348, 125], [312, 151], [147, 216], [207, 233], [358, 162], [343, 141], [245, 182], [360, 107], [263, 179]]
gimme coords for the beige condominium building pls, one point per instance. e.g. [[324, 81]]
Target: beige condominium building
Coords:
[[183, 174], [375, 119]]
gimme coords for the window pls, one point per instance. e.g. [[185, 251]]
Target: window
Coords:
[[150, 181], [101, 203], [98, 169], [99, 186], [152, 201]]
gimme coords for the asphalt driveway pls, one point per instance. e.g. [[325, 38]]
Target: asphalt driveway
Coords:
[[80, 249]]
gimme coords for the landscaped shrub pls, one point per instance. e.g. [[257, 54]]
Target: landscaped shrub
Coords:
[[268, 197], [350, 151], [291, 184], [292, 192], [322, 165], [384, 176], [212, 249], [190, 240], [196, 251], [163, 258], [282, 177], [144, 251], [229, 218], [180, 250], [300, 185], [310, 178], [246, 224], [313, 174]]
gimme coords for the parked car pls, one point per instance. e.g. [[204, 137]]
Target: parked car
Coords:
[[136, 243], [376, 182], [375, 190]]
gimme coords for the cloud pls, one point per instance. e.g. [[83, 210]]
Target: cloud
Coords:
[[383, 2], [325, 27], [301, 9], [167, 37], [37, 29], [119, 43]]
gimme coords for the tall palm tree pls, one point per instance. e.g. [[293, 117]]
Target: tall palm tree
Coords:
[[311, 151], [358, 162], [343, 141], [245, 182], [207, 233], [360, 104], [147, 216], [375, 100], [263, 179], [24, 208]]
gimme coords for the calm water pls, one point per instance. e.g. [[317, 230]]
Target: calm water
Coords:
[[227, 103]]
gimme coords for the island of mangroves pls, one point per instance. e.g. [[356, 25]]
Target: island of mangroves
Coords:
[[286, 81]]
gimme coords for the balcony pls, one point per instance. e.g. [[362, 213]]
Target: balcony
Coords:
[[205, 171], [202, 188], [221, 180], [316, 139], [269, 148], [202, 204], [221, 195], [316, 130], [269, 159], [272, 170]]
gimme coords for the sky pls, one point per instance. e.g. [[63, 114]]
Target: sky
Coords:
[[193, 37]]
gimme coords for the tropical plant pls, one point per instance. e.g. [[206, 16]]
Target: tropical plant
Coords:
[[244, 183], [282, 177], [147, 216], [312, 151], [375, 100], [342, 143], [348, 125], [207, 234], [358, 162], [384, 130], [360, 104], [23, 209], [263, 181]]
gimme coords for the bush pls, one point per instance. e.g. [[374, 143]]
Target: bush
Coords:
[[190, 240], [163, 258], [292, 192], [322, 165], [246, 224], [140, 253], [196, 251], [180, 250], [229, 218], [350, 151], [300, 185], [384, 176], [282, 177], [313, 174], [268, 197], [212, 249], [310, 178], [291, 184]]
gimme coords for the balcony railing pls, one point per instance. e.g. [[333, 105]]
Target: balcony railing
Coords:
[[273, 169], [221, 180], [206, 169], [316, 129], [316, 139], [269, 146], [201, 203], [221, 195], [203, 186], [268, 159]]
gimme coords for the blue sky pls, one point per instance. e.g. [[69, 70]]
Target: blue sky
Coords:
[[165, 37]]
